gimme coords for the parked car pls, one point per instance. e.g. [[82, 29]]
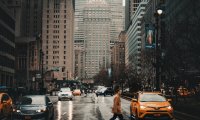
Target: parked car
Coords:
[[35, 107], [65, 93], [151, 105], [5, 105], [77, 92]]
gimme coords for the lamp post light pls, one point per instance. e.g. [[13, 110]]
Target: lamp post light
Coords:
[[158, 13]]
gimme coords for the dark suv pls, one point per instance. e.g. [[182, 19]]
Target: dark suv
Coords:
[[108, 91]]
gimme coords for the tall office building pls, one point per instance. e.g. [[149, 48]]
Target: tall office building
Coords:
[[130, 8], [118, 57], [97, 26], [96, 20], [57, 37], [117, 19], [133, 43], [79, 39], [7, 46], [28, 15]]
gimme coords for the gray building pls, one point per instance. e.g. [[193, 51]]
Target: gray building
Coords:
[[7, 46], [133, 44], [97, 26]]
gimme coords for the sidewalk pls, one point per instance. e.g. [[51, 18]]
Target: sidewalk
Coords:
[[189, 105]]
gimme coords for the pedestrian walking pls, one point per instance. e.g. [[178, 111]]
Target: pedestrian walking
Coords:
[[116, 109]]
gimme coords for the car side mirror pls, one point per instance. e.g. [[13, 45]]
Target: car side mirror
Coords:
[[134, 100]]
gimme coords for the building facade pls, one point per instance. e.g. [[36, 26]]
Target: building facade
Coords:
[[97, 20], [118, 57], [57, 37], [130, 8], [28, 15], [97, 26], [133, 43], [7, 46]]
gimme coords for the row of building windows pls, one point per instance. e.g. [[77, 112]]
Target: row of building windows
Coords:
[[6, 33], [57, 16], [7, 19], [4, 47], [6, 62], [55, 62], [57, 11]]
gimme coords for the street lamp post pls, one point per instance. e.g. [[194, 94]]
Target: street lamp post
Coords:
[[158, 43]]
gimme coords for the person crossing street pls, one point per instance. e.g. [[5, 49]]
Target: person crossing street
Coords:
[[116, 109]]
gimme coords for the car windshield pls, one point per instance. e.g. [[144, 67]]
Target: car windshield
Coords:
[[32, 100], [65, 89], [152, 98]]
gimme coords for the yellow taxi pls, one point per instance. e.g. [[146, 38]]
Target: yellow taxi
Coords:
[[5, 104], [77, 92], [150, 106]]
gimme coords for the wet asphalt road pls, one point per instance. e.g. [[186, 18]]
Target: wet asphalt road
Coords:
[[81, 108]]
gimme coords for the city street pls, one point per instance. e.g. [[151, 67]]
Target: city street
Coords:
[[86, 108]]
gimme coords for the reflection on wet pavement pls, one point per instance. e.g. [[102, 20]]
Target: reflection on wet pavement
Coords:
[[80, 108]]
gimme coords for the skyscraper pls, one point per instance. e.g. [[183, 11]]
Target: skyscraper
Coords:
[[7, 46], [134, 42], [96, 20], [97, 26], [57, 37]]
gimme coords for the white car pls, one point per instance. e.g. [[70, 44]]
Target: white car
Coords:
[[65, 93]]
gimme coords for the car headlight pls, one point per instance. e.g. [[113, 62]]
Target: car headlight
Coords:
[[142, 107], [169, 107], [41, 110], [15, 110]]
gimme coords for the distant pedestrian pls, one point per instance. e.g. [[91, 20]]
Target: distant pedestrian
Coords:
[[116, 109], [94, 97]]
